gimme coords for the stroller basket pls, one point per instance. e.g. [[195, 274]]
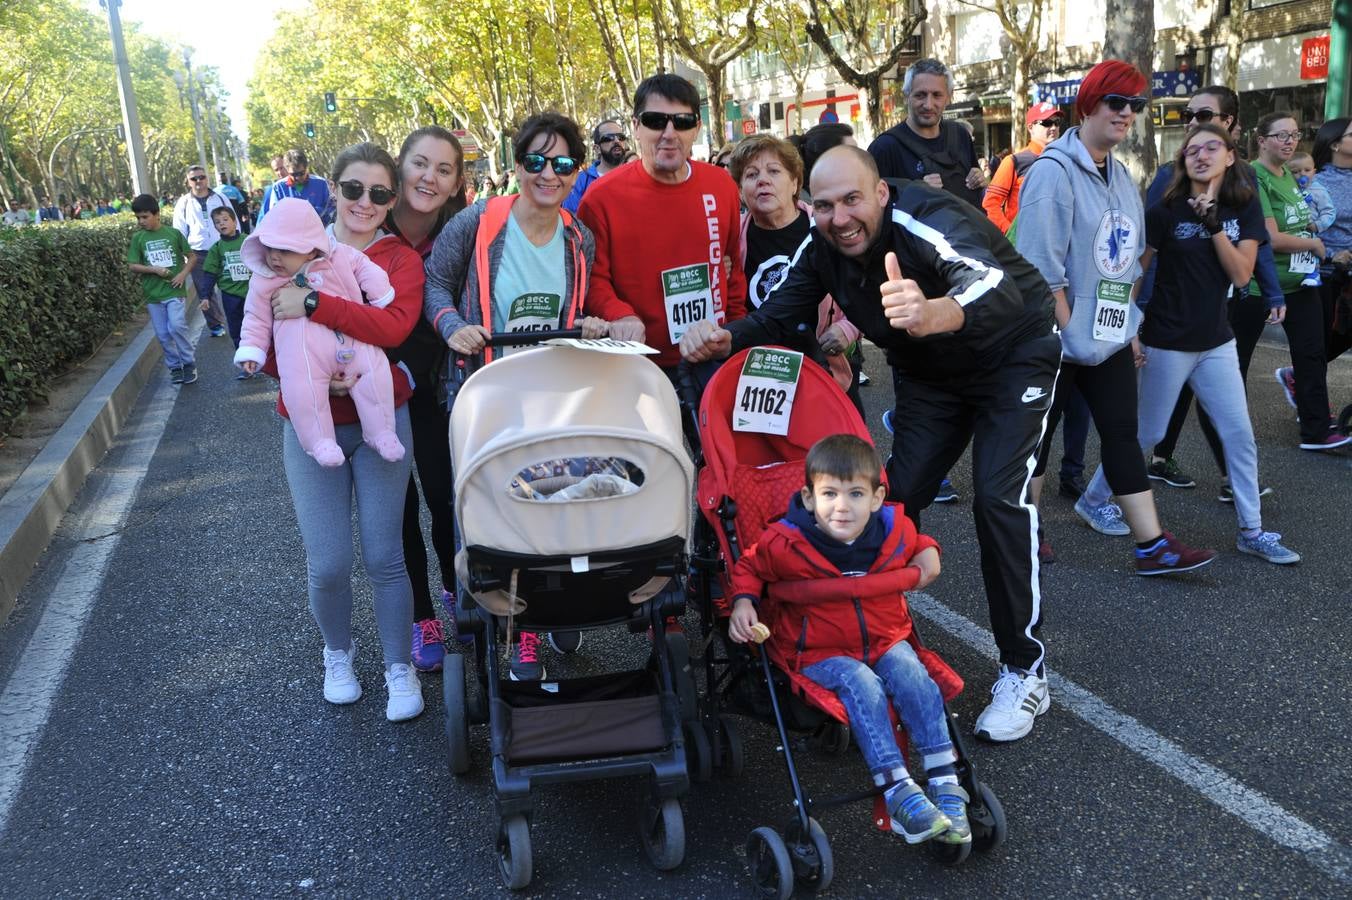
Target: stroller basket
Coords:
[[604, 715]]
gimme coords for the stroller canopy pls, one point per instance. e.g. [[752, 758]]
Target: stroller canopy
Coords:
[[564, 452]]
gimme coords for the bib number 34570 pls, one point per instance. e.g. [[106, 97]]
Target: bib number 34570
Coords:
[[765, 391]]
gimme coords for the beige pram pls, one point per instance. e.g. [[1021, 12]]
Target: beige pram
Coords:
[[572, 497]]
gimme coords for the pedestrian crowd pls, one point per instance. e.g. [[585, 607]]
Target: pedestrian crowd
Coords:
[[1004, 303]]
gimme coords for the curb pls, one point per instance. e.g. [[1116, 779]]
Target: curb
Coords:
[[31, 509]]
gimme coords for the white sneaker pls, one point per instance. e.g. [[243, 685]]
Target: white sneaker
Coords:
[[340, 682], [1016, 700], [406, 699]]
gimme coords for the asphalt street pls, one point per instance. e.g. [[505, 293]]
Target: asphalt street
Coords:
[[164, 733]]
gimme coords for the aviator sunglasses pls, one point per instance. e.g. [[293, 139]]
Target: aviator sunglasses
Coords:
[[1117, 103], [657, 121], [353, 190], [534, 163]]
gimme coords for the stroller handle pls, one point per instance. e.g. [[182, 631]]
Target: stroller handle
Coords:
[[523, 338]]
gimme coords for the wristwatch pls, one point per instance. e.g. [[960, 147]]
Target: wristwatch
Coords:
[[311, 303]]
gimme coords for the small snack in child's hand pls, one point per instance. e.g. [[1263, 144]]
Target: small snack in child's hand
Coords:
[[760, 633]]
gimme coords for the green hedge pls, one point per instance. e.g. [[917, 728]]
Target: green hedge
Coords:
[[64, 287]]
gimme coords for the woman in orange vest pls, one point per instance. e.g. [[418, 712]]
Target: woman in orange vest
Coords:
[[516, 263]]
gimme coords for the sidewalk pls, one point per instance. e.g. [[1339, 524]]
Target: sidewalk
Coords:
[[32, 507]]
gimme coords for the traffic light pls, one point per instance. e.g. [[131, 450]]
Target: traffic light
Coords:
[[120, 131], [310, 129], [330, 101]]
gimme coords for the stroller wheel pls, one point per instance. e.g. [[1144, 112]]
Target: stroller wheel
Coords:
[[731, 752], [699, 763], [514, 863], [950, 855], [770, 865], [988, 820], [661, 825], [457, 715], [810, 854]]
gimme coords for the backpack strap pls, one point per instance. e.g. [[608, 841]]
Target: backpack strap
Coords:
[[491, 222]]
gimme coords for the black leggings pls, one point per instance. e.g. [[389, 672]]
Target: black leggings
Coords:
[[432, 454], [1337, 329], [1110, 390]]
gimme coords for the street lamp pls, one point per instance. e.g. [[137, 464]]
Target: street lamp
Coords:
[[131, 120]]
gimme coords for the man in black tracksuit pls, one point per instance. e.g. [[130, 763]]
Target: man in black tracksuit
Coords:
[[967, 326]]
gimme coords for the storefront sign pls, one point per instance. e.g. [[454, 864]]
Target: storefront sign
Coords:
[[1162, 84], [748, 127], [1314, 58], [968, 109]]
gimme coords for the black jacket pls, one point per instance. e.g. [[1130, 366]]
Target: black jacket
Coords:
[[947, 248]]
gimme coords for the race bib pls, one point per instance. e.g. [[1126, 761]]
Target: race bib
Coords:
[[159, 253], [1304, 262], [532, 312], [1110, 311], [688, 296], [604, 345], [765, 391], [234, 266]]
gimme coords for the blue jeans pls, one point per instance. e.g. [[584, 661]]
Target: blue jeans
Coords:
[[171, 327], [864, 691], [234, 315]]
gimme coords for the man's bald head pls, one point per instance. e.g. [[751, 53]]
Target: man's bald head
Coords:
[[848, 199], [845, 159]]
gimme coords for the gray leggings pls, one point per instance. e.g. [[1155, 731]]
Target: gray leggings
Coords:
[[323, 501]]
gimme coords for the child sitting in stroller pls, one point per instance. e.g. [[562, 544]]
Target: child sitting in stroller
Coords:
[[846, 643]]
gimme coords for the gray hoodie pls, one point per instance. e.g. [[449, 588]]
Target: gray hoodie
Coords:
[[1085, 236]]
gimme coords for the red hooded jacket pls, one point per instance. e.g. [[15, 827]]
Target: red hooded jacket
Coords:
[[814, 612]]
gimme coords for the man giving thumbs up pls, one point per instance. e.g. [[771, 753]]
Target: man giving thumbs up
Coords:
[[967, 327]]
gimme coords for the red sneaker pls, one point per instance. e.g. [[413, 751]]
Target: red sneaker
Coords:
[[1169, 556]]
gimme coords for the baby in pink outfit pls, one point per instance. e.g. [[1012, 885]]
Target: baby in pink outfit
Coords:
[[291, 245]]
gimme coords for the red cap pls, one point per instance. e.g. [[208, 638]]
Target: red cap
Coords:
[[1039, 111]]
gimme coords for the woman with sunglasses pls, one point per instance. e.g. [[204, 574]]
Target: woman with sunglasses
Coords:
[[1081, 224], [1204, 233], [538, 262], [1298, 254], [366, 177], [432, 189]]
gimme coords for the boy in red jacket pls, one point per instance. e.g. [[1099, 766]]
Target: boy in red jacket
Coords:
[[844, 642]]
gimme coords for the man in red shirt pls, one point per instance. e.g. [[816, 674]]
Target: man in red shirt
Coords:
[[665, 229]]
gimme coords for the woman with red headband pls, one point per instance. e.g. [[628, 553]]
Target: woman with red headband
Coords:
[[1077, 188]]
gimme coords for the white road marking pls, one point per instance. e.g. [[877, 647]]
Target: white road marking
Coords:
[[27, 701], [1248, 805]]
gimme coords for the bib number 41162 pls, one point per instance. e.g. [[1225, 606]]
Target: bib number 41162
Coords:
[[766, 389]]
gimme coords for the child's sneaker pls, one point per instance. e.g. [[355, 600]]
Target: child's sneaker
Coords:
[[1312, 280], [340, 682], [406, 700], [952, 800], [218, 331], [1167, 470], [1017, 699], [914, 817], [1106, 519], [565, 641], [947, 493], [1266, 546], [189, 373], [429, 649], [176, 374], [525, 664], [1169, 555]]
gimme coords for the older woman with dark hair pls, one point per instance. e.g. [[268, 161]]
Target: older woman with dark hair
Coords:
[[769, 174], [533, 276]]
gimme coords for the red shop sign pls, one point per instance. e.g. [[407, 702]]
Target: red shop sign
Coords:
[[1314, 58], [749, 125]]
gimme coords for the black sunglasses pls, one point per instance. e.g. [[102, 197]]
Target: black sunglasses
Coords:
[[353, 190], [534, 163], [197, 178], [657, 121], [610, 138], [1117, 103], [1201, 115], [1051, 123]]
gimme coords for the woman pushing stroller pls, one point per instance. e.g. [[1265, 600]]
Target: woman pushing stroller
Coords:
[[846, 644]]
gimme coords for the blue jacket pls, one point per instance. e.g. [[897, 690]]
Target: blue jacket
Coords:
[[584, 181], [316, 191]]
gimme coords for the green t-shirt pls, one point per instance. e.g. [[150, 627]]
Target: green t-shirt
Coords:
[[223, 261], [165, 247], [1282, 201], [529, 288]]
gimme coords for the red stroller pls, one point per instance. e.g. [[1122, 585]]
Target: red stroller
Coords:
[[745, 481]]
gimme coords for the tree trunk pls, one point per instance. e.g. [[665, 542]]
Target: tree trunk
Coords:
[[798, 104], [717, 120], [1130, 36], [1023, 68], [871, 100], [1234, 45]]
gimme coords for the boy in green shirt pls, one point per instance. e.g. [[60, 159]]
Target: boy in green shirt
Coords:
[[161, 256], [225, 269]]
